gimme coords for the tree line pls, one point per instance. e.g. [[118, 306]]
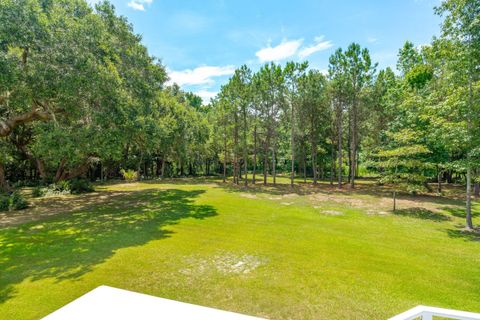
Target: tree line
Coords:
[[80, 96]]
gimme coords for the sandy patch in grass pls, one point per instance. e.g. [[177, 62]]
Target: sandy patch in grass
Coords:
[[274, 198], [332, 212], [379, 205], [377, 213], [226, 263], [248, 196]]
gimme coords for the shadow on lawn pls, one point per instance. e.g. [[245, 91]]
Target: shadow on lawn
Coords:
[[421, 213], [69, 245], [323, 186], [461, 233]]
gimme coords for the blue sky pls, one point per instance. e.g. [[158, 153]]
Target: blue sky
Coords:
[[201, 42]]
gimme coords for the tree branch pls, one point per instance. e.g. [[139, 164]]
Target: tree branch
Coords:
[[7, 126]]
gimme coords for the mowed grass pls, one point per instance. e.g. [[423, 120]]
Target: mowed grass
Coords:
[[274, 252]]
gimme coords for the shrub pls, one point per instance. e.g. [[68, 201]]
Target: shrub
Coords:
[[14, 201], [38, 192], [61, 186], [129, 175], [4, 202], [81, 186], [17, 202]]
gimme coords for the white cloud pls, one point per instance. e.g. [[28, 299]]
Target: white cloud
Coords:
[[319, 45], [371, 40], [139, 4], [200, 75], [284, 50], [206, 95]]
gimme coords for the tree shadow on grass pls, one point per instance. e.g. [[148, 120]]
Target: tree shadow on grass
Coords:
[[461, 233], [421, 213], [460, 212], [69, 245], [370, 189]]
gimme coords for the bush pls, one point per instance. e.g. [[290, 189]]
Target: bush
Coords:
[[38, 192], [4, 202], [81, 186], [61, 186], [129, 175], [14, 201], [17, 202]]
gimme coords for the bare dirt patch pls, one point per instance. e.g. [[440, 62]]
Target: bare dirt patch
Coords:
[[225, 263], [332, 212]]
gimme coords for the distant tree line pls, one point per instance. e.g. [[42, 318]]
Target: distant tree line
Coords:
[[81, 97]]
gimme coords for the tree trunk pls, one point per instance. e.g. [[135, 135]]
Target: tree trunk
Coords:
[[4, 186], [163, 168], [469, 199], [274, 165], [304, 163], [245, 146], [332, 161], [292, 173], [340, 148], [254, 153], [265, 162], [439, 180], [139, 168], [314, 150], [236, 169], [60, 171], [394, 201], [354, 147], [225, 154]]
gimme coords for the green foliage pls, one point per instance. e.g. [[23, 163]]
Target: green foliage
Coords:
[[39, 191], [17, 201], [419, 76], [81, 186], [129, 175], [4, 202], [12, 202], [62, 186]]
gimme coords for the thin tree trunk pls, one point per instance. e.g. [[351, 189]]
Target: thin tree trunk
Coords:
[[332, 162], [439, 180], [4, 186], [340, 148], [304, 163], [354, 141], [245, 146], [254, 153], [469, 198], [139, 168], [292, 174], [163, 167], [236, 168], [265, 160], [60, 171], [225, 153], [313, 142], [274, 165]]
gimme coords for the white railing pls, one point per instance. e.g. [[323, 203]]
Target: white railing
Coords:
[[427, 313]]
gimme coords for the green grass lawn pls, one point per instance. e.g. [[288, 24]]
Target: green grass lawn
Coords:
[[304, 253]]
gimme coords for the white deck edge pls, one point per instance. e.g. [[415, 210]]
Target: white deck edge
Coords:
[[105, 302], [437, 312]]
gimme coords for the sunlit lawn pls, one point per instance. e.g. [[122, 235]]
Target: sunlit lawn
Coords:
[[271, 252]]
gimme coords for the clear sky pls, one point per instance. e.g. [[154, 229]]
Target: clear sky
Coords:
[[202, 41]]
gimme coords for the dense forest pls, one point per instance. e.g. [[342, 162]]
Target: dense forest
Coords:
[[81, 98]]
